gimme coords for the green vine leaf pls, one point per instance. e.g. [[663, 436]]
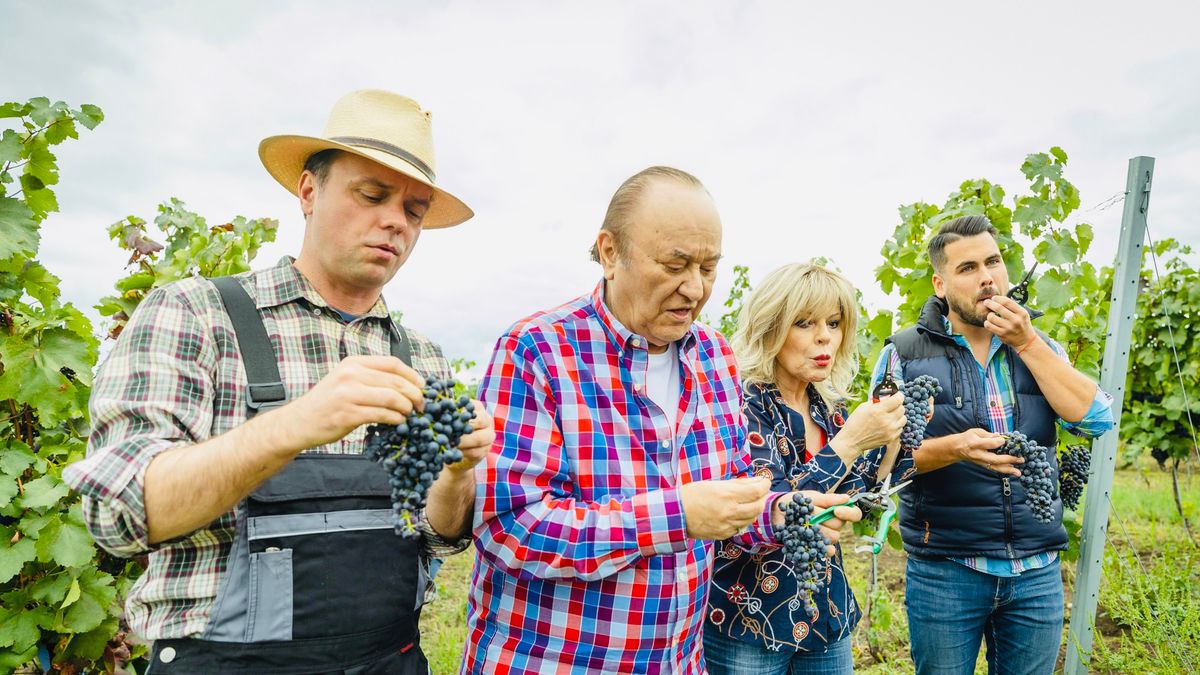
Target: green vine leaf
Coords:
[[14, 556], [21, 630], [18, 229], [44, 492], [33, 370], [65, 543]]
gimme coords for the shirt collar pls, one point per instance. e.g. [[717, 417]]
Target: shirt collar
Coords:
[[622, 337], [283, 283]]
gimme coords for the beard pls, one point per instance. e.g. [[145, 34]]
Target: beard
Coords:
[[964, 307]]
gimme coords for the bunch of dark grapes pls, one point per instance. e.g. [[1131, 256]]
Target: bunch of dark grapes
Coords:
[[804, 548], [1074, 465], [415, 452], [917, 393], [1036, 474]]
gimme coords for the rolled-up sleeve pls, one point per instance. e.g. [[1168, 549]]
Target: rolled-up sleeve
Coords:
[[1099, 418], [154, 392]]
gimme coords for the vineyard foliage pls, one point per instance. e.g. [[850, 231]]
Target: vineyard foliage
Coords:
[[61, 596]]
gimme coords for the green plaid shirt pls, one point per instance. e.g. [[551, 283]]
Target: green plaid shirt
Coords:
[[175, 378]]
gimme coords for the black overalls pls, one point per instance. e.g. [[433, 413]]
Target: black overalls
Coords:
[[317, 580]]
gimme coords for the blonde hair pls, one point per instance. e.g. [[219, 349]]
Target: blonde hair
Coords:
[[795, 292]]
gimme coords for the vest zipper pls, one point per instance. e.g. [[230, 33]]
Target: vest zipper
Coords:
[[1008, 529], [955, 383]]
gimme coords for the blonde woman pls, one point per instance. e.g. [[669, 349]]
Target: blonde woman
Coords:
[[796, 350]]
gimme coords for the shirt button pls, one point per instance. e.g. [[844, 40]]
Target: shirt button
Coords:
[[995, 404], [637, 387], [681, 575], [167, 655], [316, 311], [666, 444], [637, 342]]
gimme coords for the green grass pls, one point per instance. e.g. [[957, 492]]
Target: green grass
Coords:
[[1149, 621]]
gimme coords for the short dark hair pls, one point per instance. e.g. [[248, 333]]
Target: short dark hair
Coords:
[[320, 162], [959, 228], [626, 198]]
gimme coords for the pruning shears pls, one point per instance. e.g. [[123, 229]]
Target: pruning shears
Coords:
[[1020, 292], [874, 500], [886, 387]]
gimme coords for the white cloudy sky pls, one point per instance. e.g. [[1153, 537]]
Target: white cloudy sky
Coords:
[[809, 124]]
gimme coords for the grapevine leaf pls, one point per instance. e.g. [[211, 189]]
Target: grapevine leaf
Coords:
[[14, 109], [10, 146], [8, 490], [41, 111], [66, 543], [1051, 291], [33, 369], [89, 115], [1084, 233], [14, 556], [84, 614], [139, 281], [10, 660], [60, 131], [90, 645], [41, 200], [1061, 250], [18, 229], [15, 458], [97, 594], [43, 165], [72, 594], [39, 283], [52, 588], [20, 630], [43, 492], [881, 326]]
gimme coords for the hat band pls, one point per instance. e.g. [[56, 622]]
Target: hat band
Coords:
[[383, 146]]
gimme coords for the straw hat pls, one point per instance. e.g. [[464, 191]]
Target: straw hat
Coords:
[[384, 127]]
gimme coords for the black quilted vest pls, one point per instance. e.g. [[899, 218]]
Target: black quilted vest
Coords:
[[963, 509]]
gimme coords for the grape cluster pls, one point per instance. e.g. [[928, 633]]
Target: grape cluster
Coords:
[[917, 393], [1036, 474], [1074, 465], [415, 452], [804, 548]]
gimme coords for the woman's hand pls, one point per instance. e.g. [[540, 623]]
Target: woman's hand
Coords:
[[871, 425]]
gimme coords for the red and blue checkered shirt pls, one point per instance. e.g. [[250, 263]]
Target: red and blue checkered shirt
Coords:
[[585, 565]]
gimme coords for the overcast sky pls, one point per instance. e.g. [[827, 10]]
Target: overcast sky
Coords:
[[809, 124]]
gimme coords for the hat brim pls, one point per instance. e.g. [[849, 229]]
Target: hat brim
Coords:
[[284, 158]]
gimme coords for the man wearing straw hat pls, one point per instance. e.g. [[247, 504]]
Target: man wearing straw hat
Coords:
[[228, 427]]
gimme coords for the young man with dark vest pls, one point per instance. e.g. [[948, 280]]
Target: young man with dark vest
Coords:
[[980, 566], [228, 427]]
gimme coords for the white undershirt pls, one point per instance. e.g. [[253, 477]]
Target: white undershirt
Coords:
[[662, 381]]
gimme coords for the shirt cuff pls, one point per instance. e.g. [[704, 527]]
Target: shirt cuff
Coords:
[[659, 523], [1098, 419], [437, 546]]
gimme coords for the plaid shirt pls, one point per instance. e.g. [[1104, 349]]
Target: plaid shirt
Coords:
[[585, 565], [998, 390], [175, 378]]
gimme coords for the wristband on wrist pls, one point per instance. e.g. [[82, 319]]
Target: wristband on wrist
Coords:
[[1027, 344]]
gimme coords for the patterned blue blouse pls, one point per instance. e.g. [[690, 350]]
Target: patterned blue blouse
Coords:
[[754, 598]]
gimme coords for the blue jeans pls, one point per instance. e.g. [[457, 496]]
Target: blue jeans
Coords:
[[724, 655], [951, 608]]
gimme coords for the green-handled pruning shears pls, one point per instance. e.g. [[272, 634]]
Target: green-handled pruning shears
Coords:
[[874, 500]]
